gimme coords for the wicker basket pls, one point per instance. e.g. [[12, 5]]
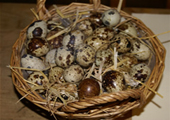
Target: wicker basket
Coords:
[[111, 105]]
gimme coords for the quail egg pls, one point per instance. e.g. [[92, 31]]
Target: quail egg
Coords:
[[64, 57], [128, 28], [141, 51], [29, 61], [104, 33], [73, 74], [50, 56], [84, 55], [122, 43], [113, 81], [73, 39], [37, 29], [88, 88], [95, 42], [111, 17], [140, 72], [55, 75], [95, 19], [37, 47]]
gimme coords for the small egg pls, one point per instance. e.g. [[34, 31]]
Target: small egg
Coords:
[[73, 74], [37, 47], [128, 28], [86, 27], [38, 79], [104, 33], [140, 72], [95, 19], [122, 43], [84, 55], [95, 42], [141, 51], [37, 29], [64, 57], [50, 56], [73, 39], [29, 61], [111, 17], [113, 81], [55, 75], [88, 88]]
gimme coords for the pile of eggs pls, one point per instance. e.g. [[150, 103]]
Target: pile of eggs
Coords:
[[91, 45]]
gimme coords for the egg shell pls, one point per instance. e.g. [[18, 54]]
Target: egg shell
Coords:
[[50, 56], [29, 61], [37, 29], [113, 81], [121, 43], [88, 88], [64, 57], [140, 72], [95, 19], [111, 17], [95, 42], [84, 55], [73, 74], [37, 47], [55, 75], [104, 33], [141, 51], [73, 38]]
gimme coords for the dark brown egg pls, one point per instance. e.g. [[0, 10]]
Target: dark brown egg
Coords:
[[113, 81], [37, 47], [88, 88], [95, 18]]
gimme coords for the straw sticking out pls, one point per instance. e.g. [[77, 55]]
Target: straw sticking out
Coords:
[[119, 5], [115, 58]]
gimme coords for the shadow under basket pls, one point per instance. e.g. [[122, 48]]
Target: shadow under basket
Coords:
[[108, 105]]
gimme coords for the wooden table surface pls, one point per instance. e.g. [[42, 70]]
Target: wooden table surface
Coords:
[[13, 18]]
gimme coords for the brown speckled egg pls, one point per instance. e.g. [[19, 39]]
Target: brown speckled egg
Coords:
[[128, 28], [37, 29], [122, 43], [141, 51], [73, 74], [140, 72], [95, 42], [84, 55], [104, 33], [55, 74], [88, 88], [95, 19], [37, 78], [73, 38], [37, 47], [64, 57], [113, 81]]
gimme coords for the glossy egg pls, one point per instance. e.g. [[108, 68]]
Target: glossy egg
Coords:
[[88, 88], [37, 29], [113, 81], [37, 47], [140, 72], [84, 55]]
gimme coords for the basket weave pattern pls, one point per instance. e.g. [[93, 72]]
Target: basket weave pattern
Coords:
[[105, 105]]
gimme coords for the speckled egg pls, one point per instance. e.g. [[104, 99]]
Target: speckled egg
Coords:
[[96, 20], [140, 72], [73, 74], [86, 27], [113, 81], [88, 88], [84, 55], [95, 42], [73, 38], [50, 56], [141, 51], [122, 43], [37, 47], [37, 29], [29, 61], [38, 79], [55, 75], [64, 57], [128, 28], [104, 33], [111, 17]]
